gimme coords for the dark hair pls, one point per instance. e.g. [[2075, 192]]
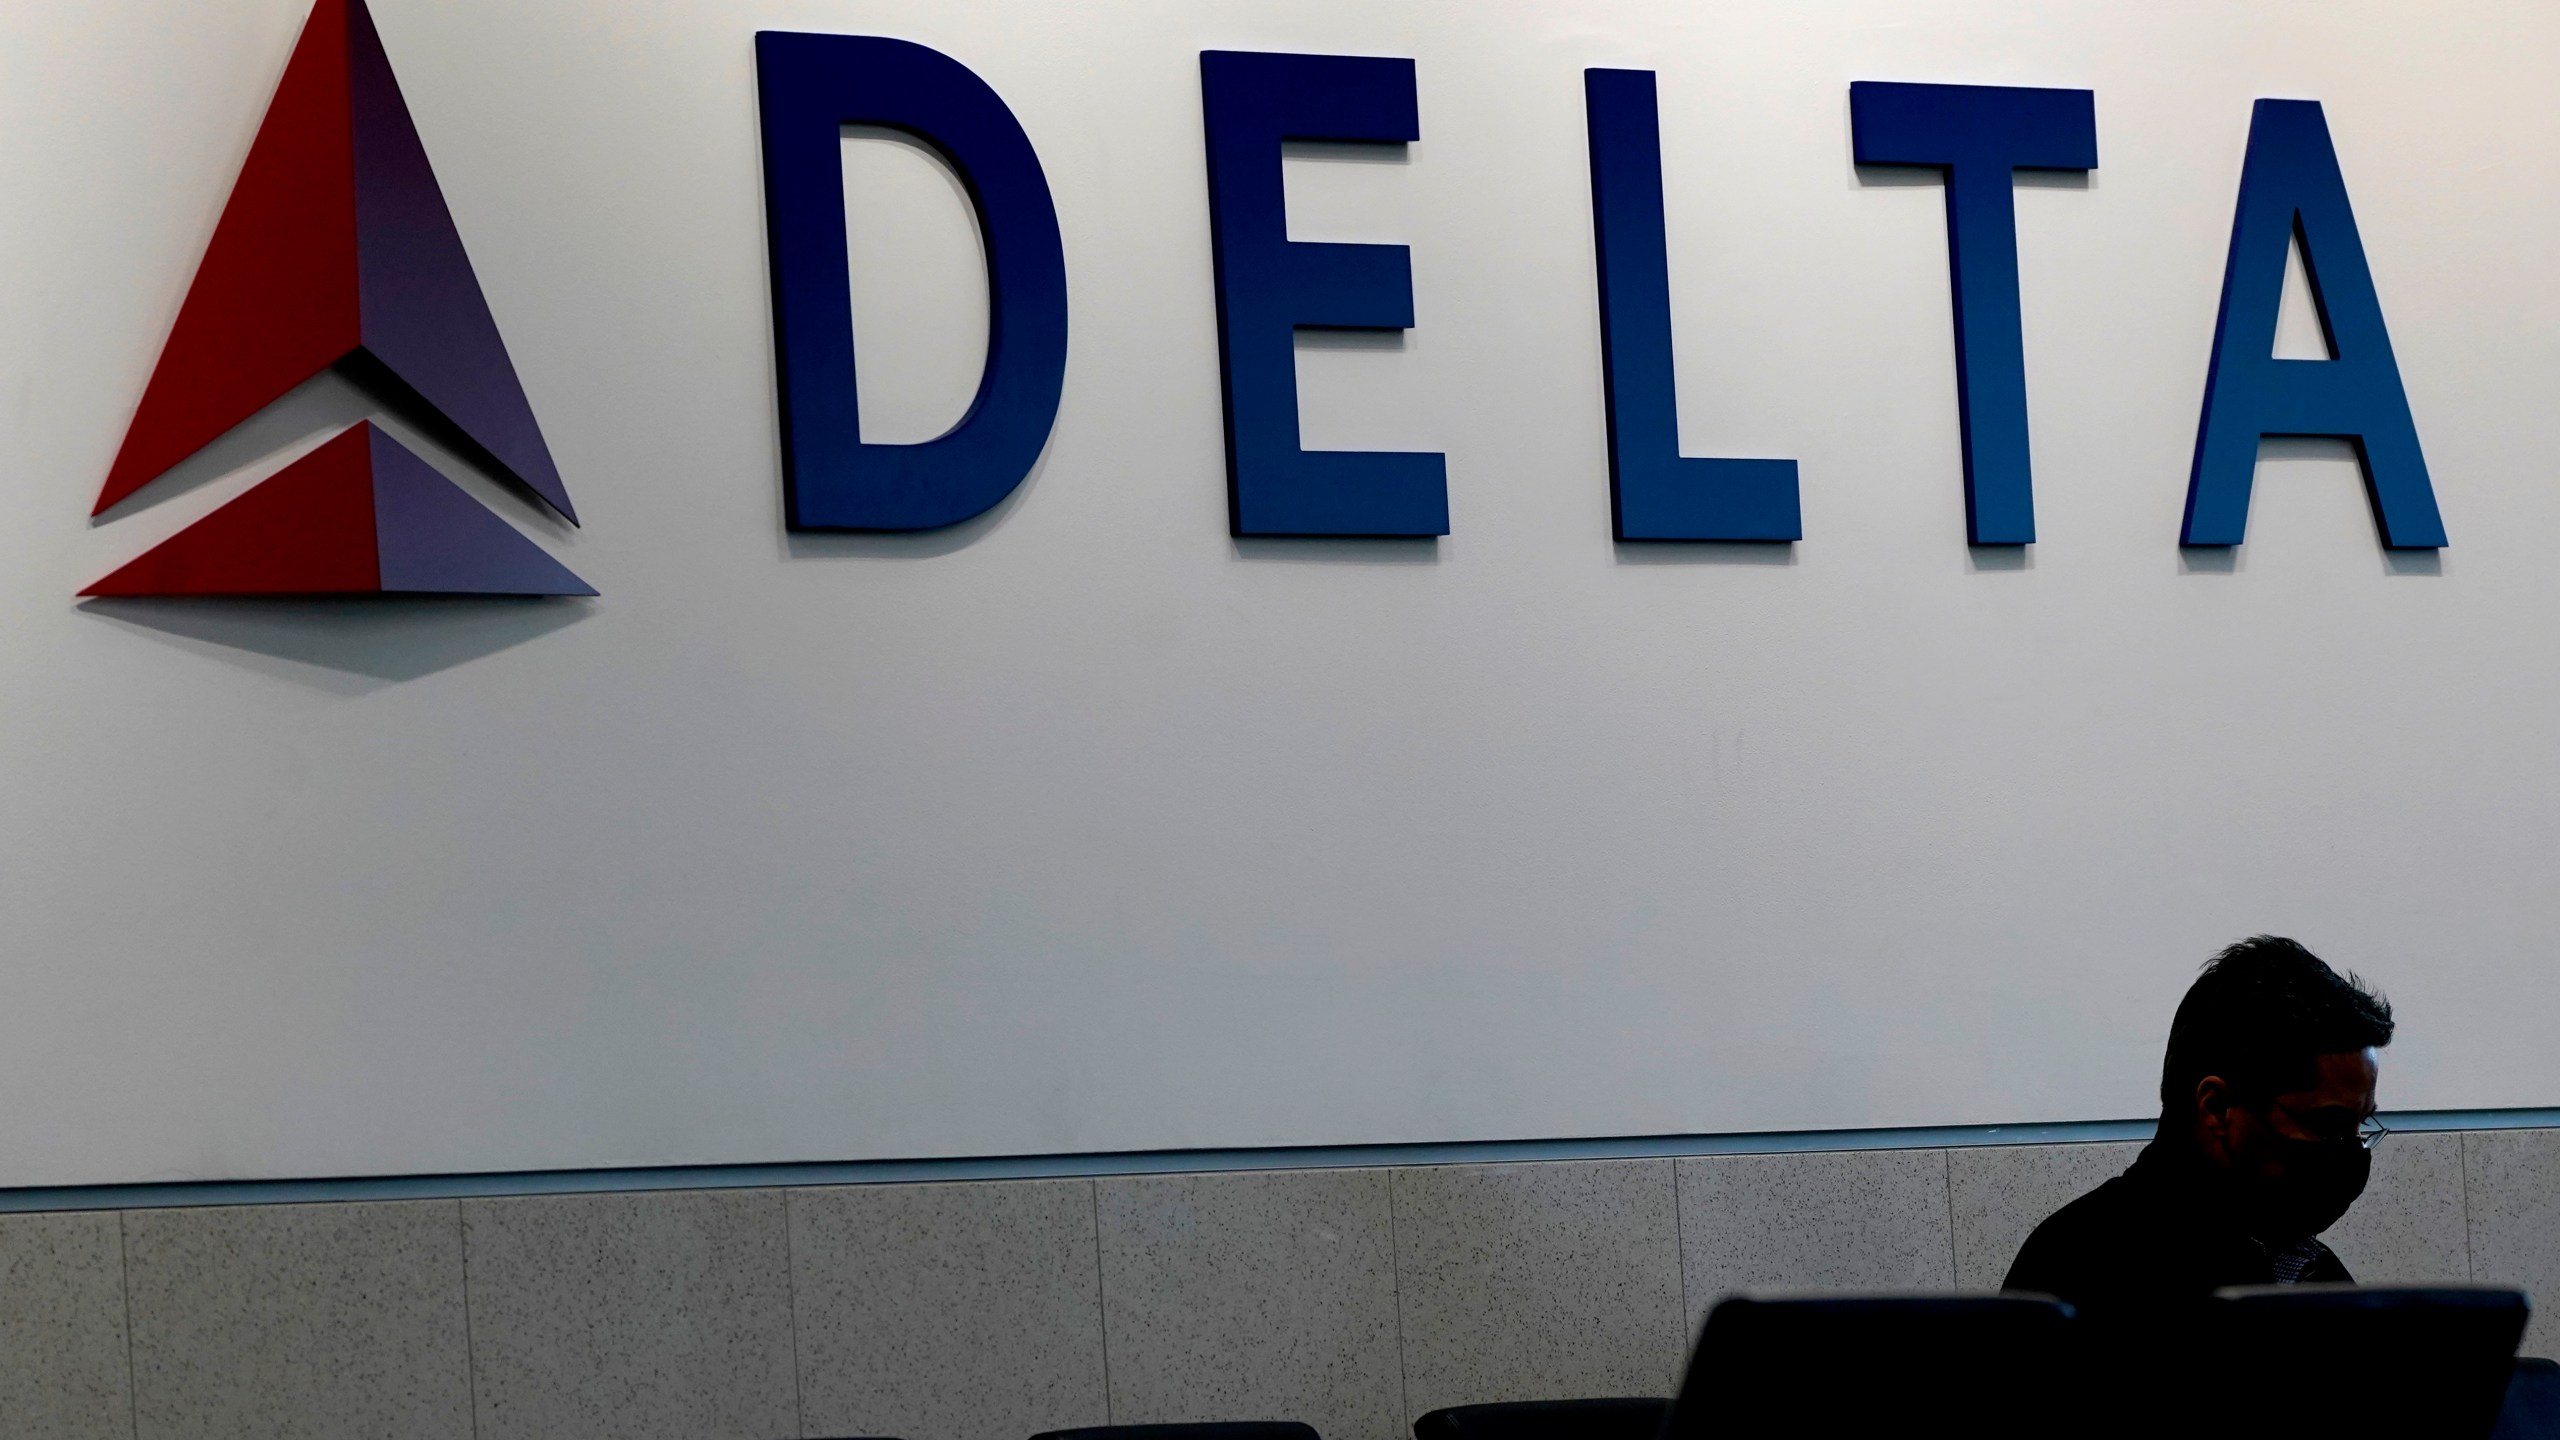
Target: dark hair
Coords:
[[2259, 1015]]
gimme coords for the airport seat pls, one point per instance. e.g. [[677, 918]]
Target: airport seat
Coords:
[[1209, 1430], [2532, 1407], [2412, 1360], [1990, 1367], [1617, 1418]]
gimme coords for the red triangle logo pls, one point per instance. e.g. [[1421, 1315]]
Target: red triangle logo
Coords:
[[337, 249], [274, 302], [361, 515], [305, 530]]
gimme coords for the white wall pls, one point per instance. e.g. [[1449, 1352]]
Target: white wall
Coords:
[[1085, 826]]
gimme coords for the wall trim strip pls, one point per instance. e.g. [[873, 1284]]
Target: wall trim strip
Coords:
[[330, 1190]]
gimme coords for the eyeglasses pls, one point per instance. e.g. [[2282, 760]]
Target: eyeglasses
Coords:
[[2367, 1134]]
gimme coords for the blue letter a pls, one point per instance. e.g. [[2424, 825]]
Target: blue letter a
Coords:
[[2290, 189]]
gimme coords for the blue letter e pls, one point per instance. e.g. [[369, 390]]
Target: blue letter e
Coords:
[[1268, 285], [810, 87], [2290, 189]]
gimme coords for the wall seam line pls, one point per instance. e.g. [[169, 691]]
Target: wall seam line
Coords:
[[1101, 1307], [1947, 1188], [1395, 1285], [2470, 1265], [1680, 1249], [470, 1351], [791, 1298], [132, 1374]]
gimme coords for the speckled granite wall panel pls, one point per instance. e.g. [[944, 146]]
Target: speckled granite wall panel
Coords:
[[651, 1316], [2512, 1186], [1998, 1194], [63, 1368], [1836, 1220], [286, 1321], [1263, 1295], [1527, 1282], [948, 1312], [2407, 1228]]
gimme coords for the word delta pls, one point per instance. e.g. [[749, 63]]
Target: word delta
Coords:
[[1269, 286]]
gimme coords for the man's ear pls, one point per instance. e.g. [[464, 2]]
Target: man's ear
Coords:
[[2212, 1119], [2213, 1098]]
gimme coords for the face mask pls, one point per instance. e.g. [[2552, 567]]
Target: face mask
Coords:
[[2320, 1181]]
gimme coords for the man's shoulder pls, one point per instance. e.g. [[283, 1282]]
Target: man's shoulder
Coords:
[[2080, 1242], [2104, 1208]]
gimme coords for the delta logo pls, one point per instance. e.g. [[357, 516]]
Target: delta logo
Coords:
[[336, 252]]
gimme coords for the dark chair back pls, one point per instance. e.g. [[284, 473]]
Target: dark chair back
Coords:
[[2532, 1409], [1870, 1365], [1211, 1430], [2375, 1360], [1611, 1419]]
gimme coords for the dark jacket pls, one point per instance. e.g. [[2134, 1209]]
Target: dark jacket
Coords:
[[2163, 1234]]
